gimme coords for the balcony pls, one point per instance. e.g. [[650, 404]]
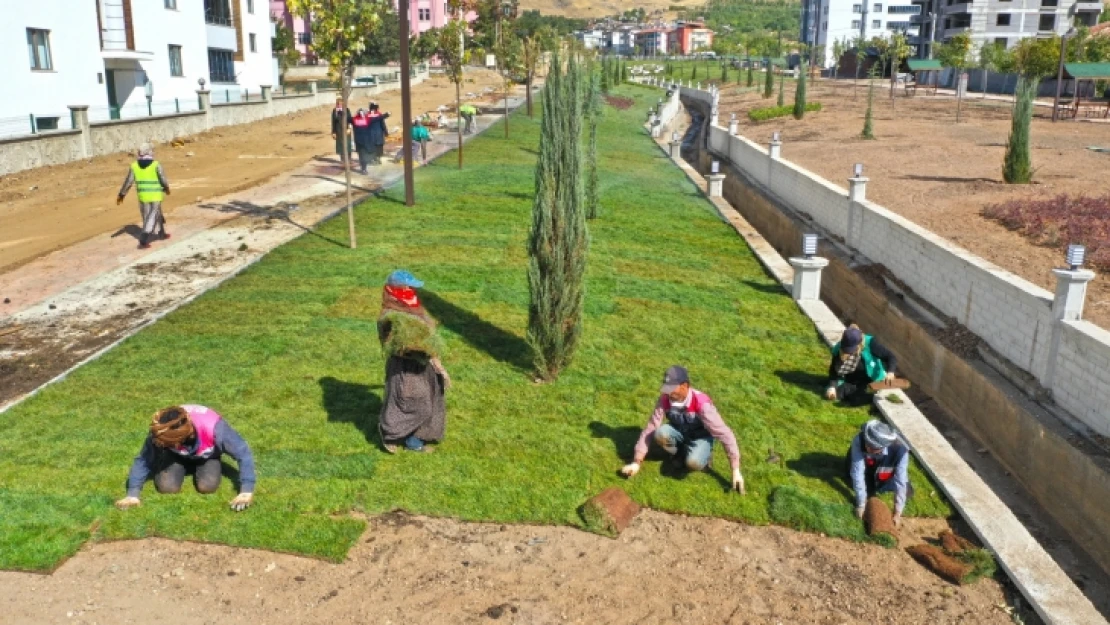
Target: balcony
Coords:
[[1087, 6]]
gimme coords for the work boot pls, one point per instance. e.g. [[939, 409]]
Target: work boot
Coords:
[[143, 243]]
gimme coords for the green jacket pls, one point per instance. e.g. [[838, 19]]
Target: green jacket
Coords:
[[874, 366], [420, 133]]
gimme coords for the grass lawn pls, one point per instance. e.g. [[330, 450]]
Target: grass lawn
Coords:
[[288, 353]]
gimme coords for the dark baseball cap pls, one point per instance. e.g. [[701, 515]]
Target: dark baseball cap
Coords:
[[674, 377], [851, 339]]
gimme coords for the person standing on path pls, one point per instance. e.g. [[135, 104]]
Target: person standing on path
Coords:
[[413, 410], [378, 133], [363, 146], [860, 362], [341, 130], [420, 137], [189, 439], [151, 186], [879, 462], [693, 423]]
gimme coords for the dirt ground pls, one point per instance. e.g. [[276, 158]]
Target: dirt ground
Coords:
[[941, 174], [663, 569], [50, 208]]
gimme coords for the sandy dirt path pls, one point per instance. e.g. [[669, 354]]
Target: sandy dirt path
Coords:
[[663, 569], [941, 174], [50, 208]]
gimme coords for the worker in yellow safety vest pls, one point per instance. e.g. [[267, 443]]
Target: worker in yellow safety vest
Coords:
[[467, 112], [151, 187]]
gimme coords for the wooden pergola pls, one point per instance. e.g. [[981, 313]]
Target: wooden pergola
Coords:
[[1080, 72], [929, 67]]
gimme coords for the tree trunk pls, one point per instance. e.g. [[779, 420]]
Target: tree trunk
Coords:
[[507, 83], [959, 100], [528, 94], [345, 85], [458, 116], [986, 73]]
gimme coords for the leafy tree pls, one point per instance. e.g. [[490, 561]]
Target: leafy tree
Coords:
[[896, 52], [424, 46], [1017, 165], [453, 54], [1037, 58], [340, 29], [507, 49], [558, 242], [956, 54], [531, 52], [800, 95], [285, 48], [383, 45], [988, 60], [840, 46]]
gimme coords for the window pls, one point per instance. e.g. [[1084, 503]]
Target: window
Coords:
[[171, 4], [1003, 19], [857, 8], [911, 9], [254, 43], [824, 26], [962, 20], [876, 24], [175, 61], [221, 65], [1048, 23], [1050, 3], [250, 7], [1001, 41], [878, 8], [855, 24], [304, 38], [425, 15], [898, 26], [38, 48], [217, 12]]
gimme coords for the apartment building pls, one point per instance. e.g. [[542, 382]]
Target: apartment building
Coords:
[[652, 41], [1001, 21], [620, 40], [105, 53], [828, 21], [689, 38]]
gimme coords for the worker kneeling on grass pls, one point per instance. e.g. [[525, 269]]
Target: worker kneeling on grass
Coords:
[[860, 362], [189, 439], [879, 462], [693, 423]]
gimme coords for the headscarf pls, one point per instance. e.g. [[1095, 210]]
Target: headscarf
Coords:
[[404, 295], [878, 435], [171, 427], [146, 152]]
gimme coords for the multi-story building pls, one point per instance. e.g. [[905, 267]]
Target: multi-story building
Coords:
[[591, 39], [104, 54], [1001, 21], [652, 41], [828, 21], [620, 40], [689, 38]]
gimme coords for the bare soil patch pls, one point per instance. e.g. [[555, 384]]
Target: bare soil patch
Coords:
[[619, 103], [663, 569], [941, 174]]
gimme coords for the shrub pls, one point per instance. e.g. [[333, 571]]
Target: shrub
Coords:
[[1017, 166], [772, 112], [1061, 220]]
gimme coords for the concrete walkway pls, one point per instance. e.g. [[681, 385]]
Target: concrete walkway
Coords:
[[72, 305]]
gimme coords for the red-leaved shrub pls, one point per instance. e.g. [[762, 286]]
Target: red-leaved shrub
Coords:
[[1059, 221]]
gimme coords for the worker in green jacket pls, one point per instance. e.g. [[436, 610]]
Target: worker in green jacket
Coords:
[[421, 137], [151, 187]]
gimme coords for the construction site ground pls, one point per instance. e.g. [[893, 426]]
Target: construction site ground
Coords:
[[939, 173]]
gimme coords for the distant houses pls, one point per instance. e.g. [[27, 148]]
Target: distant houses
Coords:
[[655, 39]]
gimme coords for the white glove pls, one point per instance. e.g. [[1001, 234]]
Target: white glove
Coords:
[[859, 512], [738, 481], [630, 470], [242, 502], [128, 502], [830, 393], [889, 377]]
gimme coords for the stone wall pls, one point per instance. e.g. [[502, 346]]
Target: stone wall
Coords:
[[99, 138]]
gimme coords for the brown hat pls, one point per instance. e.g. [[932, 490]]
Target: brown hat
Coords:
[[171, 427]]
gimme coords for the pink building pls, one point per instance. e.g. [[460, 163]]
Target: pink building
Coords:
[[423, 15]]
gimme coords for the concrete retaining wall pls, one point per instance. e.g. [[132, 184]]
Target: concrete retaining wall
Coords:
[[99, 138]]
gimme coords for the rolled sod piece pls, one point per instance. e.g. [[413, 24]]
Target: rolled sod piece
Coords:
[[609, 512], [954, 543], [877, 518], [944, 565]]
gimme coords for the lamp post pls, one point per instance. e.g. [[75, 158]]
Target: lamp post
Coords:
[[932, 32], [149, 89], [406, 101], [1060, 72]]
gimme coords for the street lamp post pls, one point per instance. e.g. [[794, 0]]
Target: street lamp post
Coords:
[[1060, 72], [932, 32], [406, 101]]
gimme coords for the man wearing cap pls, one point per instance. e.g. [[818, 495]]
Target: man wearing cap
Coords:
[[189, 439], [693, 423], [879, 462], [859, 362], [151, 187]]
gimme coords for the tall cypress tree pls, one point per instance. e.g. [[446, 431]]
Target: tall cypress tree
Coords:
[[751, 76], [558, 242], [782, 79], [1017, 166], [593, 108], [769, 83], [868, 130], [694, 76], [604, 74], [624, 73], [617, 72], [800, 95]]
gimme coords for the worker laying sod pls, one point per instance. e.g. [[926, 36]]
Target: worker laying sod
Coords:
[[291, 349]]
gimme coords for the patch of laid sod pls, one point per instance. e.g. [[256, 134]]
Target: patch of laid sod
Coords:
[[288, 352], [792, 507]]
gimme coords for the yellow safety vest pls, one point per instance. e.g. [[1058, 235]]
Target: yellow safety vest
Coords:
[[146, 183]]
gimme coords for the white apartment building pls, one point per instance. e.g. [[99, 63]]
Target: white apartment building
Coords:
[[591, 39], [103, 54], [829, 21], [1003, 22]]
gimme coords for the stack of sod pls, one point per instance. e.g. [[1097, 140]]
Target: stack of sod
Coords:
[[609, 512], [410, 337]]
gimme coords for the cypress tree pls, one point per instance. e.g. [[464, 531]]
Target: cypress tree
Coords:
[[624, 73], [782, 74], [800, 95], [1017, 166], [868, 131], [593, 108], [604, 75], [724, 73], [769, 83], [694, 76], [751, 74], [558, 242]]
